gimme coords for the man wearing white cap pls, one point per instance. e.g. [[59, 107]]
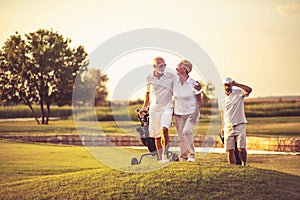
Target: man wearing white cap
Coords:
[[234, 119]]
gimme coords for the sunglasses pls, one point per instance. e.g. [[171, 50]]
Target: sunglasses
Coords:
[[161, 65]]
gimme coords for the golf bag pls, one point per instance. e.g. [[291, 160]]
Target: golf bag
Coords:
[[144, 132], [149, 141]]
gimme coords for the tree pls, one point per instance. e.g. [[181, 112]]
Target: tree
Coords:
[[206, 91], [101, 90], [91, 88], [41, 69]]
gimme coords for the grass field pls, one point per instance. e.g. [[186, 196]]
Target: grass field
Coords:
[[39, 171], [271, 126], [275, 118], [274, 126], [125, 112], [45, 171]]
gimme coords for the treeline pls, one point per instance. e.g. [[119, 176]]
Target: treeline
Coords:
[[43, 68]]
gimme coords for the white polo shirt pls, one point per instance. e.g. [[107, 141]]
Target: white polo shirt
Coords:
[[161, 90], [233, 108], [185, 97]]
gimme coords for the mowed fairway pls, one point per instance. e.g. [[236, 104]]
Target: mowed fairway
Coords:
[[41, 171], [49, 171], [274, 126], [258, 126]]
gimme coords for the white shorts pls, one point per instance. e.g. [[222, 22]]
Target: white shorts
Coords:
[[234, 134], [159, 119]]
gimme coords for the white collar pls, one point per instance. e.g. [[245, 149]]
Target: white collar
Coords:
[[152, 75], [187, 80]]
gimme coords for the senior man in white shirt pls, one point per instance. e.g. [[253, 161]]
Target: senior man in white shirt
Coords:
[[187, 102], [159, 99], [234, 119]]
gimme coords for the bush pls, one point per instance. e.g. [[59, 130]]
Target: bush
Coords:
[[22, 111], [125, 112]]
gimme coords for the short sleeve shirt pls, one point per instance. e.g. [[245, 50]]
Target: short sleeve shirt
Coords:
[[233, 108], [185, 97], [161, 90]]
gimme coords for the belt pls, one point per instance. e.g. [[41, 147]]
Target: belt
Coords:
[[238, 124]]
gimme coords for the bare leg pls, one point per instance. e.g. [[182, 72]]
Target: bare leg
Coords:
[[158, 147], [165, 141], [230, 156], [243, 156]]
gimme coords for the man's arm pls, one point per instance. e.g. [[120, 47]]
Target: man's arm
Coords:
[[246, 88], [222, 121], [146, 100], [222, 130], [198, 96], [199, 101], [197, 86]]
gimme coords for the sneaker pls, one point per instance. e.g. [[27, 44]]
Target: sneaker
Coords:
[[245, 165], [164, 159], [191, 160]]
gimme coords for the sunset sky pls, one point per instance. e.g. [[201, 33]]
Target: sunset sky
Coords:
[[255, 42]]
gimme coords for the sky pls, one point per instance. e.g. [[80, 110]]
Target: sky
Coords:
[[255, 42]]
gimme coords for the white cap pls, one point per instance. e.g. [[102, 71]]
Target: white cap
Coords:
[[227, 80]]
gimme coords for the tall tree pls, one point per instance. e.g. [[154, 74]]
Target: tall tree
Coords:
[[91, 88], [15, 84], [99, 80], [206, 91], [41, 69]]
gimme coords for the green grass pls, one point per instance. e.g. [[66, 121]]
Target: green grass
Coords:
[[22, 111], [21, 161], [272, 109], [265, 119], [32, 171], [193, 181], [63, 127], [43, 171], [125, 112], [103, 113], [273, 126], [31, 128]]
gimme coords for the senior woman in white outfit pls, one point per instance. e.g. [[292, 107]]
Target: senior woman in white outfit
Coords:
[[186, 109]]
